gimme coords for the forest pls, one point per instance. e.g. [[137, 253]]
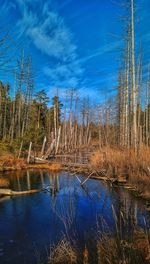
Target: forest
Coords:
[[122, 120]]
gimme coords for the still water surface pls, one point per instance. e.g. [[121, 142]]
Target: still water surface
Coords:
[[29, 224]]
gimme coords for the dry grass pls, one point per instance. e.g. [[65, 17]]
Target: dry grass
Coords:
[[122, 251], [4, 182], [123, 162], [110, 250], [63, 252], [10, 162], [52, 167], [121, 158]]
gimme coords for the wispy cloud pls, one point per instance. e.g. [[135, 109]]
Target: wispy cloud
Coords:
[[102, 51], [49, 34], [6, 9]]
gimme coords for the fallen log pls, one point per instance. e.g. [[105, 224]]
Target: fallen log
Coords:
[[39, 160], [9, 192]]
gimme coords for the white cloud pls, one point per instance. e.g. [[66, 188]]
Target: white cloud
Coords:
[[48, 32], [61, 76], [103, 50], [53, 40]]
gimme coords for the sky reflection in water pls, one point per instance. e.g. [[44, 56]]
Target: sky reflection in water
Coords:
[[30, 224]]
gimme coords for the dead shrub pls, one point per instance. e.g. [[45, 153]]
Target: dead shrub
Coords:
[[63, 252]]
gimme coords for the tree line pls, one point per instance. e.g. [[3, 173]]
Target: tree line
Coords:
[[58, 126]]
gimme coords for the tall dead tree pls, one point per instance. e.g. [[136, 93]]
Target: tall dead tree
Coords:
[[134, 88]]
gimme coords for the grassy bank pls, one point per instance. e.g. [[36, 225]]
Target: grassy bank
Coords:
[[123, 164], [118, 164], [10, 162]]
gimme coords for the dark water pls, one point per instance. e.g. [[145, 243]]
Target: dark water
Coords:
[[29, 224]]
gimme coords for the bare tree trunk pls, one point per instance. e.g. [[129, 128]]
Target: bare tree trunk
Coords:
[[126, 130], [20, 149], [43, 146], [134, 89], [147, 114], [29, 153], [58, 140]]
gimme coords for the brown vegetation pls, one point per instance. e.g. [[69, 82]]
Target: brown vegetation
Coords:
[[10, 162], [63, 253], [47, 166], [123, 251], [120, 162], [110, 250], [4, 182]]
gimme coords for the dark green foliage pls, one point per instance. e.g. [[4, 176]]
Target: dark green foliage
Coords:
[[26, 119]]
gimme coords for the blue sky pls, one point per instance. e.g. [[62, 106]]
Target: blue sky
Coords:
[[74, 43]]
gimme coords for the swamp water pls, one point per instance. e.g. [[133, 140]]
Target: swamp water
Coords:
[[30, 224]]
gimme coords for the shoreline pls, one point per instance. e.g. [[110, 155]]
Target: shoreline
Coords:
[[84, 169]]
